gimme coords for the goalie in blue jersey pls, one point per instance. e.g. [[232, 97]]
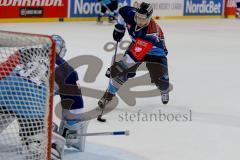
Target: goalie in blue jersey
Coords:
[[71, 99]]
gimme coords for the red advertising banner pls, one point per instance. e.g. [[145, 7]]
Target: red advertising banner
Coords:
[[33, 8], [230, 7]]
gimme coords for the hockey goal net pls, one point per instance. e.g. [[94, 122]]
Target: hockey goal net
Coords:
[[27, 64]]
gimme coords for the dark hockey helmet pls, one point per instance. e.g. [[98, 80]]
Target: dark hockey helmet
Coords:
[[143, 14], [145, 9]]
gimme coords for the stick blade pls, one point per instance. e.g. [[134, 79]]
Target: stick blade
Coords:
[[100, 119]]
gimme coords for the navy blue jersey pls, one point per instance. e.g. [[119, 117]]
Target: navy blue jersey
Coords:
[[151, 33], [66, 78]]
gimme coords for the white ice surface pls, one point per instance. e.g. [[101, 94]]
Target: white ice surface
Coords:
[[204, 63]]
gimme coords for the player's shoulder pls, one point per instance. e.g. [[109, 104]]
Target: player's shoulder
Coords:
[[128, 13], [154, 28], [127, 10]]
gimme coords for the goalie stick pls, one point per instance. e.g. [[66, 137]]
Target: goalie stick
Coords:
[[116, 133]]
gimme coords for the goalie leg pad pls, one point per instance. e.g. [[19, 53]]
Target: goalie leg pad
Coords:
[[58, 143], [54, 127], [72, 130]]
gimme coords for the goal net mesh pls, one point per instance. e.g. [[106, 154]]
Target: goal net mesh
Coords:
[[26, 88]]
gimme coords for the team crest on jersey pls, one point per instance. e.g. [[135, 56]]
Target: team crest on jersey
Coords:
[[138, 49]]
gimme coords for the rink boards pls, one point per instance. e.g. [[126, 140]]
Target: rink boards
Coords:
[[87, 10]]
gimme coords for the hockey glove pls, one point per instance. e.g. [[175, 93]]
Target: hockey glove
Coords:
[[118, 32]]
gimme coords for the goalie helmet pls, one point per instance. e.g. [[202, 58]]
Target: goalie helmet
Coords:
[[60, 45], [144, 14]]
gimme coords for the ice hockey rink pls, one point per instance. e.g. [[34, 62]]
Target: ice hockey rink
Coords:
[[204, 70]]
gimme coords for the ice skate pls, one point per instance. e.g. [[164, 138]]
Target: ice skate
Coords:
[[99, 20], [165, 96]]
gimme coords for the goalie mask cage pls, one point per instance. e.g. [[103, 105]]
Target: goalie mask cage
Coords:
[[27, 64]]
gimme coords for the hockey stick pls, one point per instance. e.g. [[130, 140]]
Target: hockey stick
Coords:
[[116, 133], [99, 118]]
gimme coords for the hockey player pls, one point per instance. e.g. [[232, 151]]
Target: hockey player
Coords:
[[108, 5], [71, 101], [147, 45], [238, 8]]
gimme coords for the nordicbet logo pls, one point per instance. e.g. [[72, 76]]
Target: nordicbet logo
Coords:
[[89, 8], [203, 7], [86, 7]]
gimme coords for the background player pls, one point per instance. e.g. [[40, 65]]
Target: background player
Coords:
[[108, 5], [147, 45], [238, 8]]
